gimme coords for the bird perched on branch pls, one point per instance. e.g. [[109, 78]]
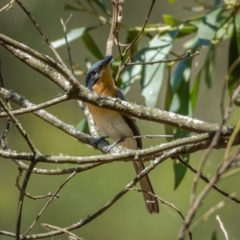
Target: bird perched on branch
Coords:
[[118, 127]]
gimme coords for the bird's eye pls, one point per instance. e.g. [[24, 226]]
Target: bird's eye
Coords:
[[94, 73]]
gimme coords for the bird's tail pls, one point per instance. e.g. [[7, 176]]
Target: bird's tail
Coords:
[[146, 186]]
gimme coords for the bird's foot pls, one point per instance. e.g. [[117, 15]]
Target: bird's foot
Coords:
[[111, 146], [101, 140]]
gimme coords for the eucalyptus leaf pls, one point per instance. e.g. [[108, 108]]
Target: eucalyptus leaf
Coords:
[[195, 90], [208, 26], [179, 170], [180, 102], [167, 101], [185, 30], [170, 20], [209, 66], [71, 36], [150, 76]]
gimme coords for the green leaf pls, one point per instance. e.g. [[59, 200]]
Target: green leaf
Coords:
[[131, 35], [170, 20], [209, 26], [151, 76], [180, 102], [180, 87], [68, 7], [71, 36], [185, 30], [233, 62], [83, 126], [181, 74], [86, 38], [195, 90], [168, 99], [179, 170], [209, 66], [91, 45]]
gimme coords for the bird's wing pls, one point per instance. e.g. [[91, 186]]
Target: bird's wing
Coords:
[[131, 122]]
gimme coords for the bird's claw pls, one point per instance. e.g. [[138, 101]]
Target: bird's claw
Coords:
[[103, 141]]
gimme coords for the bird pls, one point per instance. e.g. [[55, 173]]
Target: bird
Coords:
[[116, 126]]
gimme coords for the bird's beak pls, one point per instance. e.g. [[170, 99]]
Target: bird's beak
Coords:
[[106, 60]]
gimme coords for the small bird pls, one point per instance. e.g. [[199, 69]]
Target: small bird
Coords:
[[120, 128]]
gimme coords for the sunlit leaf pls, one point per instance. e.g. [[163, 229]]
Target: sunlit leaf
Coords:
[[83, 126], [185, 30], [195, 21], [181, 73], [170, 20], [151, 76], [208, 26], [91, 45], [180, 102], [71, 36]]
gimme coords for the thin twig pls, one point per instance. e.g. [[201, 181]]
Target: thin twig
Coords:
[[226, 116], [87, 220], [19, 127], [171, 205], [72, 235], [205, 179], [181, 146], [64, 25], [207, 214], [3, 137], [27, 194], [49, 201], [187, 55], [38, 106], [225, 165], [222, 227], [142, 30], [29, 171], [42, 34], [9, 5], [21, 199]]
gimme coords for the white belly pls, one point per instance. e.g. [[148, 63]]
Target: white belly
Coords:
[[112, 124]]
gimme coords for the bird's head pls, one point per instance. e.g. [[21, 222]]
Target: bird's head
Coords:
[[99, 75]]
